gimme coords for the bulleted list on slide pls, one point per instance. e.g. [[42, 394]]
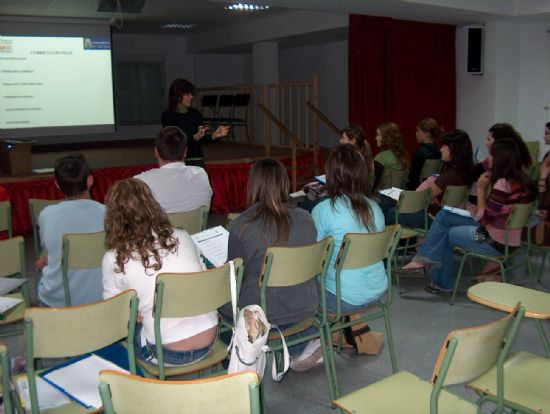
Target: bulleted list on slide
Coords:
[[55, 81]]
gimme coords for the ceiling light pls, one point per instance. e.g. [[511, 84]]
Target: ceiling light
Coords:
[[245, 7], [177, 26]]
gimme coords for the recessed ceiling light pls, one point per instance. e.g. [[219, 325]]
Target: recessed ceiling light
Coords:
[[245, 7], [177, 26]]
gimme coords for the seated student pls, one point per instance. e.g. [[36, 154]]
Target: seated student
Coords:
[[176, 186], [78, 213], [268, 221], [504, 130], [427, 131], [457, 170], [392, 155], [483, 233], [540, 234], [350, 209], [142, 244]]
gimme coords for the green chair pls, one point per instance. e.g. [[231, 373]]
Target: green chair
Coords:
[[411, 202], [12, 258], [227, 394], [360, 250], [429, 168], [6, 379], [179, 295], [80, 251], [5, 218], [533, 147], [393, 178], [73, 331], [526, 376], [192, 222], [455, 195], [35, 207], [518, 219], [231, 217], [466, 354], [291, 266]]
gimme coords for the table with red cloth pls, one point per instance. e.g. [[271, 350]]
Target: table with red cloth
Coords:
[[228, 183]]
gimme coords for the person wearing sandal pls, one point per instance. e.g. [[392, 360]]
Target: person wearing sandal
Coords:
[[484, 231]]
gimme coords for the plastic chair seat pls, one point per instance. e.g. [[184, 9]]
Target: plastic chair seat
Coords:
[[402, 393], [217, 354], [294, 329], [526, 379], [16, 314], [408, 233]]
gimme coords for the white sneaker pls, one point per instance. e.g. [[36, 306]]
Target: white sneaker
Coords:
[[312, 355]]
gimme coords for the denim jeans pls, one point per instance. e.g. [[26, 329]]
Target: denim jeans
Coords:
[[148, 352], [410, 220], [447, 231], [345, 307]]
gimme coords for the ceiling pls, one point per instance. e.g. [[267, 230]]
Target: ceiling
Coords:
[[208, 15]]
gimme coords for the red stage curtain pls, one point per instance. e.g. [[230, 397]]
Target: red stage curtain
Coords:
[[228, 183], [400, 71]]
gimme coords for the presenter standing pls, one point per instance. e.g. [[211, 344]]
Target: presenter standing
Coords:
[[180, 113]]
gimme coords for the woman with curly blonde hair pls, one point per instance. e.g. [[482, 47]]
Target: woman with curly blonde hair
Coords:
[[392, 155], [141, 244]]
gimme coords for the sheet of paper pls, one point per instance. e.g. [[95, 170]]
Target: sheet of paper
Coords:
[[298, 194], [392, 192], [43, 170], [48, 395], [80, 380], [321, 178], [7, 284], [213, 244], [459, 211], [7, 303]]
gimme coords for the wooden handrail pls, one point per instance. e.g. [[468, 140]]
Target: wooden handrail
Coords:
[[324, 118], [281, 126]]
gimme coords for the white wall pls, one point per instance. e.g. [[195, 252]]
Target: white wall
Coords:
[[213, 69], [330, 61], [515, 85]]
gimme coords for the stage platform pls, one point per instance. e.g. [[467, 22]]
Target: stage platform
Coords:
[[227, 166]]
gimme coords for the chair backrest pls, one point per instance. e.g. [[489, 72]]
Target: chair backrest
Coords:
[[241, 99], [225, 106], [477, 348], [180, 295], [12, 257], [71, 331], [192, 222], [533, 148], [430, 167], [80, 251], [5, 218], [519, 216], [36, 205], [290, 266], [228, 394], [455, 195], [209, 101], [413, 201], [397, 178]]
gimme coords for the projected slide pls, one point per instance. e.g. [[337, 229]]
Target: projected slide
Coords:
[[55, 81]]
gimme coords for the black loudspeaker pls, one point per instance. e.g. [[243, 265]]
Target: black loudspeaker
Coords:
[[475, 51]]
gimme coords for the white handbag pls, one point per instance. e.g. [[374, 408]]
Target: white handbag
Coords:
[[249, 343]]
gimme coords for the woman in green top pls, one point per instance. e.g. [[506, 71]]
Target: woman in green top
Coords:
[[392, 155]]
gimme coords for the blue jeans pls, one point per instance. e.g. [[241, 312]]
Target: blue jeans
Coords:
[[148, 351], [345, 306], [411, 220], [447, 231]]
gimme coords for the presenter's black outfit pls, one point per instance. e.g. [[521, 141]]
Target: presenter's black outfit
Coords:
[[189, 123]]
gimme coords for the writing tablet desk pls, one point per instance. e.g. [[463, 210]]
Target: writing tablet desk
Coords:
[[504, 297]]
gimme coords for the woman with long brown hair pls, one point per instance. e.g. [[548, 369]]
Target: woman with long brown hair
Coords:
[[392, 155], [268, 221], [141, 244]]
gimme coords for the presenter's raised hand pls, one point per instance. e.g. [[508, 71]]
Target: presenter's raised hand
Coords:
[[221, 131], [200, 133]]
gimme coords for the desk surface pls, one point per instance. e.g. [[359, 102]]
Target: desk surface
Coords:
[[504, 296]]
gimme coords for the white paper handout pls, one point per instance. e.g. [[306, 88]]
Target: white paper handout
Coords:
[[80, 379], [48, 396], [321, 178], [7, 303], [459, 211], [392, 192], [7, 284], [212, 243]]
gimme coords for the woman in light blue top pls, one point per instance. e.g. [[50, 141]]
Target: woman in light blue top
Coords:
[[349, 209]]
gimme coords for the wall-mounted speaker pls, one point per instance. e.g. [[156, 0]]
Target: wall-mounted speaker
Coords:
[[475, 50]]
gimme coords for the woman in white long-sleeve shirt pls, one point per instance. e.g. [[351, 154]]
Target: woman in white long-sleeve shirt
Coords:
[[141, 244]]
